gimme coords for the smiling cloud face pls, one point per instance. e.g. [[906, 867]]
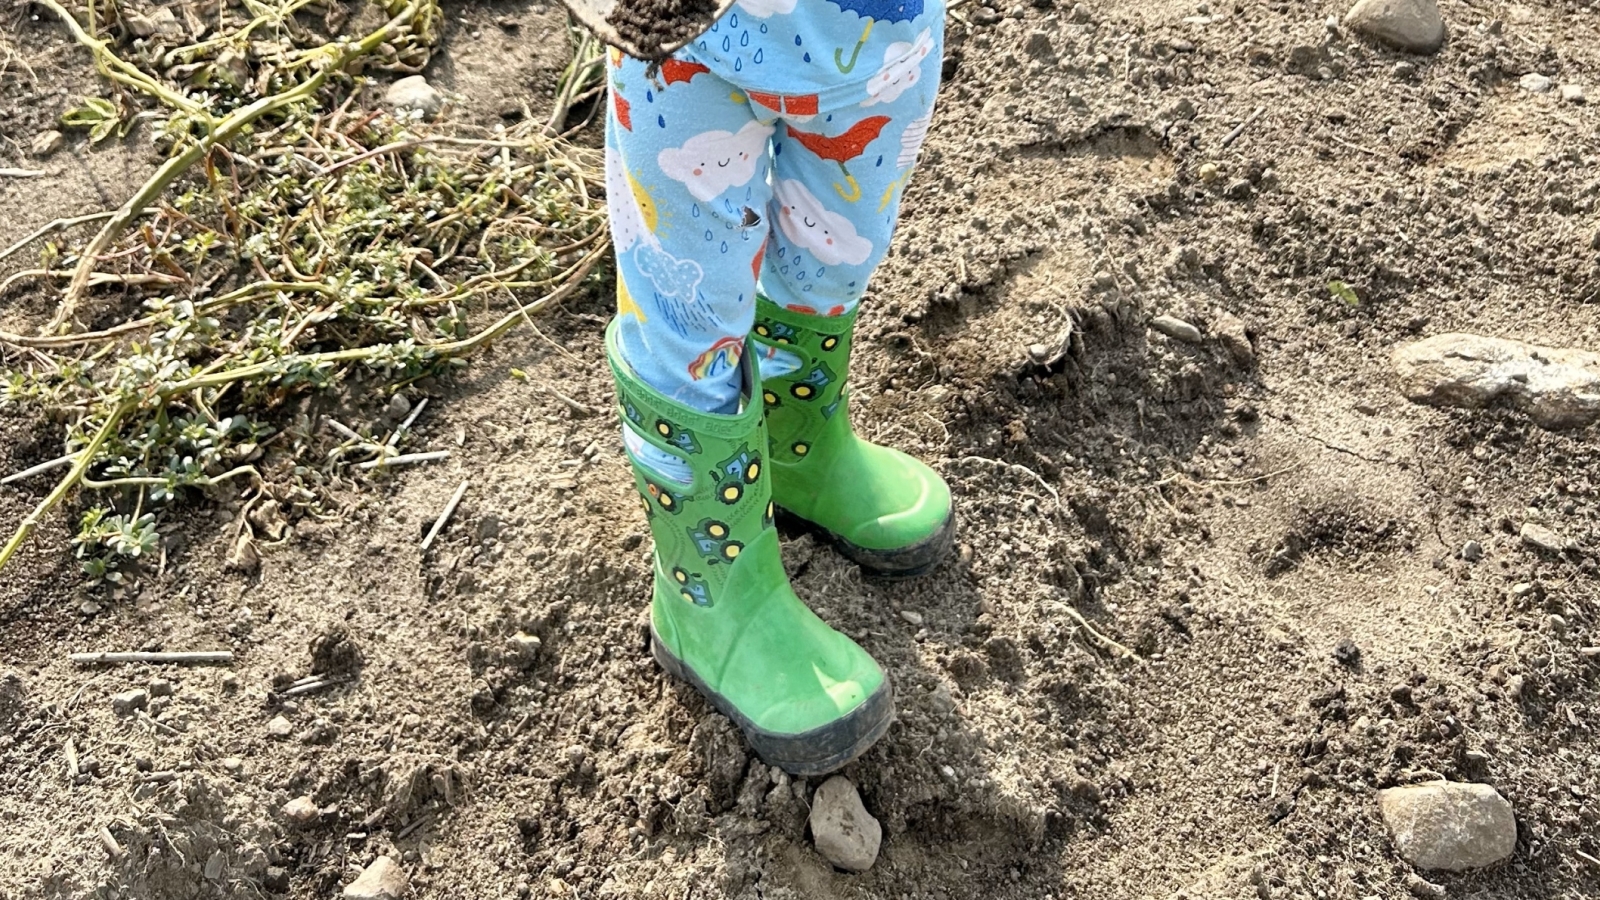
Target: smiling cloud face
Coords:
[[830, 237], [713, 161], [902, 66]]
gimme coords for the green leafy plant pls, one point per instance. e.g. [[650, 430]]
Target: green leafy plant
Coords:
[[287, 247], [1344, 293]]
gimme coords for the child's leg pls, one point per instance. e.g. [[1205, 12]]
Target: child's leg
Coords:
[[837, 185], [838, 178], [686, 180]]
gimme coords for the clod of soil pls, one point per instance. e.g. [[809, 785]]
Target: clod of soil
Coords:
[[655, 28], [335, 653]]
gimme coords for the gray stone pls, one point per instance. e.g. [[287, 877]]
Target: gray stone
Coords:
[[1472, 551], [160, 687], [279, 728], [1411, 25], [125, 703], [1557, 388], [1177, 329], [301, 811], [383, 880], [1541, 538], [47, 142], [413, 92], [844, 832], [1573, 93], [1449, 825], [1534, 83]]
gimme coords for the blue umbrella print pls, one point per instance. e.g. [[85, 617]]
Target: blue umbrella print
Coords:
[[873, 10]]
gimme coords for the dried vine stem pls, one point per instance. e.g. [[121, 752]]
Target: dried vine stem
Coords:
[[218, 133]]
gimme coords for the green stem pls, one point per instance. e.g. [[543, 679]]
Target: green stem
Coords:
[[225, 131], [75, 475]]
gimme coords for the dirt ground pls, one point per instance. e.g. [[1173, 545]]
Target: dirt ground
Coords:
[[1266, 522]]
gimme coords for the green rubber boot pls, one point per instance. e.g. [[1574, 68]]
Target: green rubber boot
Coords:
[[887, 512], [723, 616]]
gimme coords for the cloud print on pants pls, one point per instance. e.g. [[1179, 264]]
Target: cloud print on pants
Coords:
[[713, 161], [830, 237], [902, 66], [761, 9], [671, 276]]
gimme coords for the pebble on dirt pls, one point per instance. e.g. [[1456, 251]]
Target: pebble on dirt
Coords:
[[1534, 83], [1411, 25], [1449, 825], [1472, 551], [301, 811], [1541, 538], [845, 833], [47, 142], [382, 880], [1556, 387], [125, 703], [1573, 93], [413, 92], [1177, 329], [279, 728]]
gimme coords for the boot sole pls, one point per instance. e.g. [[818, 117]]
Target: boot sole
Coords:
[[819, 751], [906, 562]]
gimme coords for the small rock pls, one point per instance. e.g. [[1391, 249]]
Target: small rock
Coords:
[[1404, 71], [1573, 93], [279, 728], [1449, 825], [1209, 172], [489, 528], [125, 703], [914, 618], [383, 880], [1534, 83], [301, 811], [89, 608], [525, 647], [1177, 329], [1556, 387], [413, 92], [1234, 337], [160, 687], [276, 879], [46, 143], [398, 407], [233, 765], [89, 765], [844, 832], [1238, 189], [1541, 538], [1414, 26], [1472, 551], [1347, 653]]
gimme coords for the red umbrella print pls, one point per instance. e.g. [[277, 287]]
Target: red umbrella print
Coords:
[[843, 148]]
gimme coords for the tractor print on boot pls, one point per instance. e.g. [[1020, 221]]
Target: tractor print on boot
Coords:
[[723, 616], [889, 513]]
